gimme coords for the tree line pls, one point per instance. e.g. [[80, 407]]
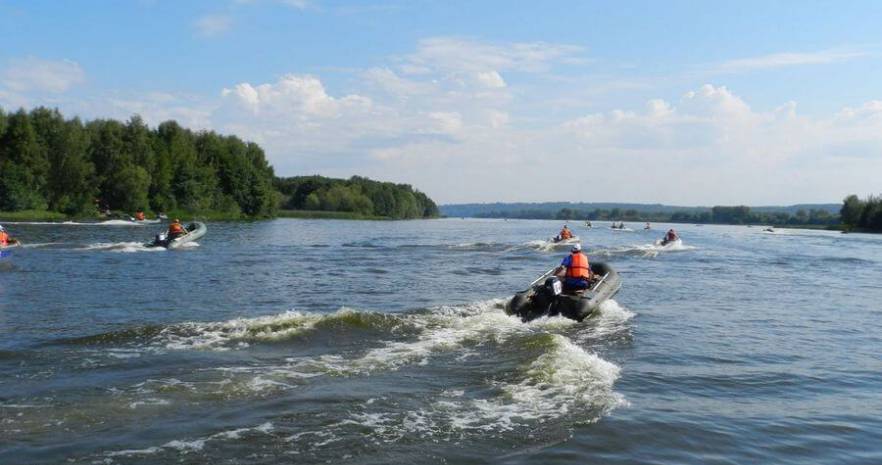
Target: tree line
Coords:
[[862, 214], [357, 195], [49, 163], [715, 215]]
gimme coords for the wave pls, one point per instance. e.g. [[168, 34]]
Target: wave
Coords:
[[550, 375], [239, 332], [193, 445], [561, 381]]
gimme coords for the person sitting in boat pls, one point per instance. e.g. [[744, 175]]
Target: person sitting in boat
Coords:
[[139, 216], [565, 233], [574, 270], [175, 229], [5, 239], [671, 236]]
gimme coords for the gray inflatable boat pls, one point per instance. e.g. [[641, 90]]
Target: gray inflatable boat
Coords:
[[544, 297], [195, 230]]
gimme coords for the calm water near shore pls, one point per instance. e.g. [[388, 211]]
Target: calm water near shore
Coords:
[[310, 341]]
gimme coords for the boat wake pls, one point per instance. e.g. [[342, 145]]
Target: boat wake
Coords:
[[120, 247], [545, 245], [645, 250], [543, 372]]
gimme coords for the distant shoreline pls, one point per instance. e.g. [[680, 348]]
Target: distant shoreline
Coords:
[[52, 217]]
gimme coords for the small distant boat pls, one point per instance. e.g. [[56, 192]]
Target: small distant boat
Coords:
[[545, 296], [194, 230]]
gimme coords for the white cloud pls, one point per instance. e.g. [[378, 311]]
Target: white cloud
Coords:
[[35, 74], [491, 79], [213, 25], [779, 60], [391, 82], [451, 54], [446, 122], [294, 94]]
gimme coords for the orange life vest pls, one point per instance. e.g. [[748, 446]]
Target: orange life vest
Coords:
[[4, 239], [578, 266], [175, 228], [565, 234]]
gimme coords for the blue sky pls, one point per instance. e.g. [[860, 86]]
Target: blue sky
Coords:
[[673, 102]]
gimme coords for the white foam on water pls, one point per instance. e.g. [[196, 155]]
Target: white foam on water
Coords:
[[188, 245], [121, 247], [120, 223], [193, 445], [221, 336], [558, 381], [612, 319], [549, 245], [613, 311], [646, 250], [564, 381], [149, 402], [40, 244], [446, 329]]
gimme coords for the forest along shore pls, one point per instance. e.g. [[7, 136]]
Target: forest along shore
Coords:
[[58, 169]]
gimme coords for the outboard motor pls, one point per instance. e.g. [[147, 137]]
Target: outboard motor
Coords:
[[554, 285]]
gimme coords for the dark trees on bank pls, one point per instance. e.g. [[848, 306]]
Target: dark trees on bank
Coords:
[[49, 163], [356, 195], [862, 214]]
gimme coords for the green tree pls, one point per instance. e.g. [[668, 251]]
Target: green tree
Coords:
[[23, 166], [851, 211]]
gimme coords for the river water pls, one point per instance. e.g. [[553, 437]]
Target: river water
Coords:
[[296, 341]]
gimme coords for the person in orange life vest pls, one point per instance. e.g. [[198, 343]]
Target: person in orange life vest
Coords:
[[671, 236], [5, 239], [574, 270], [175, 229], [139, 215], [565, 233]]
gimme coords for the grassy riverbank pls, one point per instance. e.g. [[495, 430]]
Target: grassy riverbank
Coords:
[[33, 215]]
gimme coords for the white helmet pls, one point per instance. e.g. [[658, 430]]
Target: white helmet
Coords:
[[576, 247], [2, 228]]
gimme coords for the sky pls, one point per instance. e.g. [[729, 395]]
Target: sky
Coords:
[[677, 102]]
